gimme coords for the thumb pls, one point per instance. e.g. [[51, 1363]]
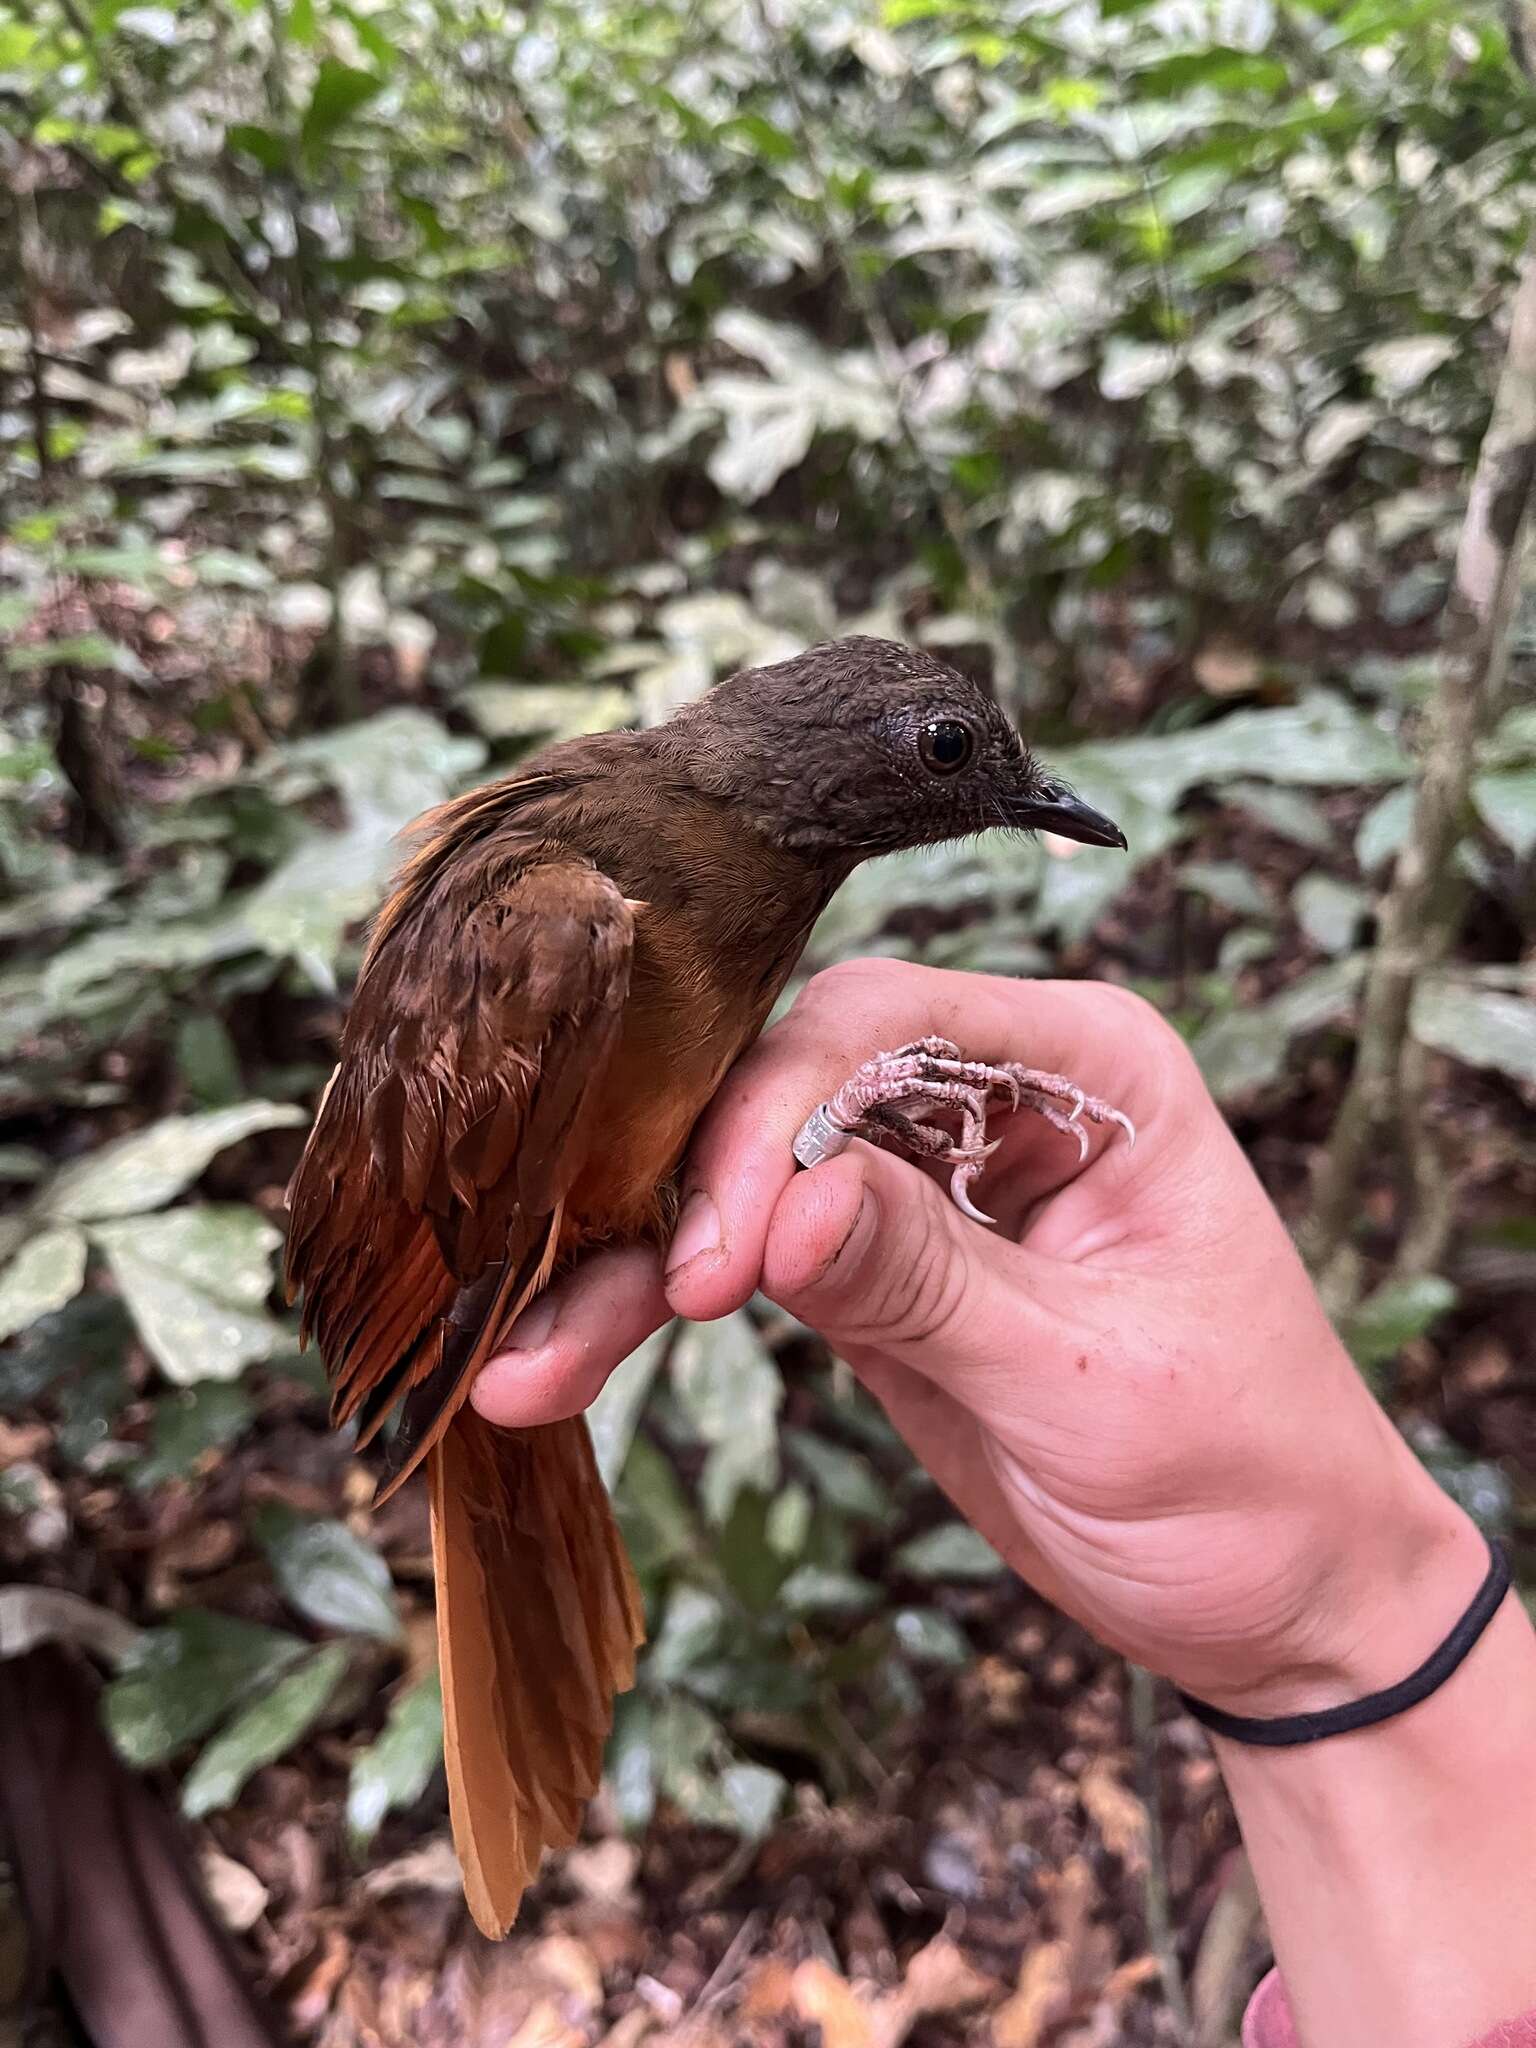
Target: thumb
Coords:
[[872, 1253]]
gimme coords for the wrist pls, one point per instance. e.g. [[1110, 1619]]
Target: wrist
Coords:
[[1395, 1863], [1376, 1583]]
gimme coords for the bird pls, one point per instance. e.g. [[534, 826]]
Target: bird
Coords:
[[569, 962]]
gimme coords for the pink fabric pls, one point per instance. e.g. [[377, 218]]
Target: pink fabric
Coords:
[[1268, 2023]]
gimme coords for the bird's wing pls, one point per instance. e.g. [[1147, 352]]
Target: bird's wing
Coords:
[[426, 1208]]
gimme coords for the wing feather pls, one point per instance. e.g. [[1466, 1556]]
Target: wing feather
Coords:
[[426, 1206]]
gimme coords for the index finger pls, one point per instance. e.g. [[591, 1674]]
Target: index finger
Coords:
[[741, 1159]]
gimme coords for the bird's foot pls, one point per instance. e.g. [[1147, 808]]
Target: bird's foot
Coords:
[[897, 1094]]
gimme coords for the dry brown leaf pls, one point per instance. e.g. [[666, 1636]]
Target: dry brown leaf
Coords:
[[1132, 1977], [603, 1872], [312, 2000], [630, 2029], [433, 1868], [1225, 668], [768, 1990], [194, 1548], [679, 373], [238, 1895], [1043, 1997], [1072, 1893], [546, 2027], [23, 1440], [570, 1966], [938, 1980], [1116, 1812], [824, 1999]]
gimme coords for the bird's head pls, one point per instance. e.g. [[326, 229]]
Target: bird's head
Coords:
[[864, 746]]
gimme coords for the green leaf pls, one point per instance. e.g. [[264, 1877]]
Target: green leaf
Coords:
[[394, 1771], [844, 1480], [195, 1280], [754, 1796], [1290, 812], [188, 1424], [23, 1163], [654, 1515], [328, 1574], [615, 1415], [1246, 1049], [1227, 883], [1506, 804], [340, 91], [268, 149], [730, 1389], [155, 24], [90, 1336], [186, 1676], [764, 140], [929, 1637], [630, 1764], [817, 1589], [1329, 911], [1395, 1315], [1218, 69], [953, 1550], [690, 1631], [264, 1732], [81, 650], [1383, 830], [209, 1063], [47, 1272], [149, 1167], [1479, 1026], [506, 711]]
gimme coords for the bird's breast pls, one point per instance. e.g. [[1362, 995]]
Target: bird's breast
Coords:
[[694, 1006]]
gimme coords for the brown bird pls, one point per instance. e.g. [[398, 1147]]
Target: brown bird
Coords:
[[566, 968]]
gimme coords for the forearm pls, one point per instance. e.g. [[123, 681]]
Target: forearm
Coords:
[[1397, 1866]]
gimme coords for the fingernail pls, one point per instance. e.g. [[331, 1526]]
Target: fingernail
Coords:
[[698, 1230], [532, 1330]]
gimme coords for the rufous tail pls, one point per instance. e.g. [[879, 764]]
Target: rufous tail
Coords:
[[538, 1621]]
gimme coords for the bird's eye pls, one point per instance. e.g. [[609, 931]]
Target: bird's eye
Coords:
[[946, 745]]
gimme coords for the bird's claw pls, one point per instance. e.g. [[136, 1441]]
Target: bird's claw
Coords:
[[896, 1094]]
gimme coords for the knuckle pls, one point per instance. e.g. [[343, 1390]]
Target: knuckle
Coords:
[[868, 998], [1148, 1023], [916, 1291]]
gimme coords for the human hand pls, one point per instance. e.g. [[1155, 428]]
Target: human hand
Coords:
[[1129, 1386]]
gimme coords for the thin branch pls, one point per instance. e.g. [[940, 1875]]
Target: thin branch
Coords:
[[1154, 1883], [1420, 912]]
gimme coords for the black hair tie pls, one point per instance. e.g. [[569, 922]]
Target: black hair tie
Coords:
[[1286, 1730]]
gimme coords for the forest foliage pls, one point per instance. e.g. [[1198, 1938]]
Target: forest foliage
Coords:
[[387, 387]]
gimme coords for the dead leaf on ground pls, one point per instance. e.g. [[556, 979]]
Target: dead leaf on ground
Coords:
[[938, 1981], [768, 1991], [631, 2029], [433, 1868], [1225, 668], [1116, 1812], [1130, 1978], [1043, 1997], [824, 1999], [603, 1872], [310, 2003], [193, 1549], [238, 1895]]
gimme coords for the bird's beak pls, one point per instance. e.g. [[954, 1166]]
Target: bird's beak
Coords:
[[1056, 809]]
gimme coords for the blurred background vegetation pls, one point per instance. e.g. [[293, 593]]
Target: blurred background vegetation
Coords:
[[387, 387]]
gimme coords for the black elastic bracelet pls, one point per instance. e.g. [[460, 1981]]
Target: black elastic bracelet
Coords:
[[1285, 1730]]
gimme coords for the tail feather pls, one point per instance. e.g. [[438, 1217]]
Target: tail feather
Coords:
[[538, 1620]]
